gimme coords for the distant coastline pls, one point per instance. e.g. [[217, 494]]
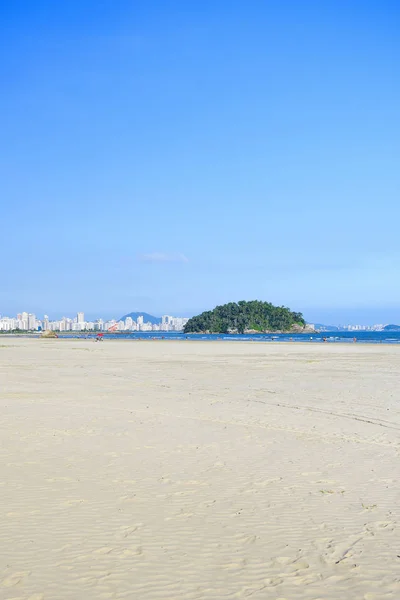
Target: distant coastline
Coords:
[[295, 330]]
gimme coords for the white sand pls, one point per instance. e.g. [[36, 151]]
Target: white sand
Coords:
[[196, 470]]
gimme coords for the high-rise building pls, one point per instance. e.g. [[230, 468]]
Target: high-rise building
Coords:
[[108, 324], [99, 325], [8, 324], [24, 321], [80, 317], [31, 322], [45, 323]]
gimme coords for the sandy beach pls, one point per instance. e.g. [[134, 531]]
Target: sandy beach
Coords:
[[199, 470]]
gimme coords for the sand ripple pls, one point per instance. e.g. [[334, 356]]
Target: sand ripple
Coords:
[[198, 471]]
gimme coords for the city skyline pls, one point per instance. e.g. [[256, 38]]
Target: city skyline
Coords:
[[351, 316], [30, 322]]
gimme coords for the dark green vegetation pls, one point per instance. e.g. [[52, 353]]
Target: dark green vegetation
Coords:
[[244, 316]]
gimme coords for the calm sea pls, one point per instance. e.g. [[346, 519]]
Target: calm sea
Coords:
[[374, 337]]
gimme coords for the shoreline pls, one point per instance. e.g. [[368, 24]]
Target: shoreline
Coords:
[[278, 338], [241, 342]]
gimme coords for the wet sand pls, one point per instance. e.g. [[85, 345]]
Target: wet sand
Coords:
[[199, 470]]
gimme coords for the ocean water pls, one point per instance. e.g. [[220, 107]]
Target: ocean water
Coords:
[[371, 337]]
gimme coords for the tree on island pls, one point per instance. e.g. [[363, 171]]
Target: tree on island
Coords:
[[245, 316]]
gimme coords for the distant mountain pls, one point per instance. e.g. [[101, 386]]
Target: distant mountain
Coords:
[[320, 327], [391, 328], [146, 317]]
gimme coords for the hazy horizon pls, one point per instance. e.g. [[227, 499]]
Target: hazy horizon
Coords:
[[360, 316]]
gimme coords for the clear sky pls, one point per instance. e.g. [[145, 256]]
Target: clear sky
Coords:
[[168, 156]]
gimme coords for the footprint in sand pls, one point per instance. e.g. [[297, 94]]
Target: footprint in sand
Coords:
[[266, 482], [273, 581], [378, 526], [340, 552], [181, 515], [15, 578], [131, 498], [91, 581], [291, 564], [72, 502], [282, 560], [299, 565], [249, 539], [133, 551], [103, 550], [126, 531]]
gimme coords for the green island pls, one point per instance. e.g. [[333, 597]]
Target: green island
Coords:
[[246, 317]]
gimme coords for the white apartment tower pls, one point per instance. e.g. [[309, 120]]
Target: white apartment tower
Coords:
[[31, 322]]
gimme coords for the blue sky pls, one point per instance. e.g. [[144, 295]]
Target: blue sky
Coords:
[[170, 156]]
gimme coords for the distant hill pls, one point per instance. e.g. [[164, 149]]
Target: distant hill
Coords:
[[146, 317], [321, 327], [391, 328], [245, 316]]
